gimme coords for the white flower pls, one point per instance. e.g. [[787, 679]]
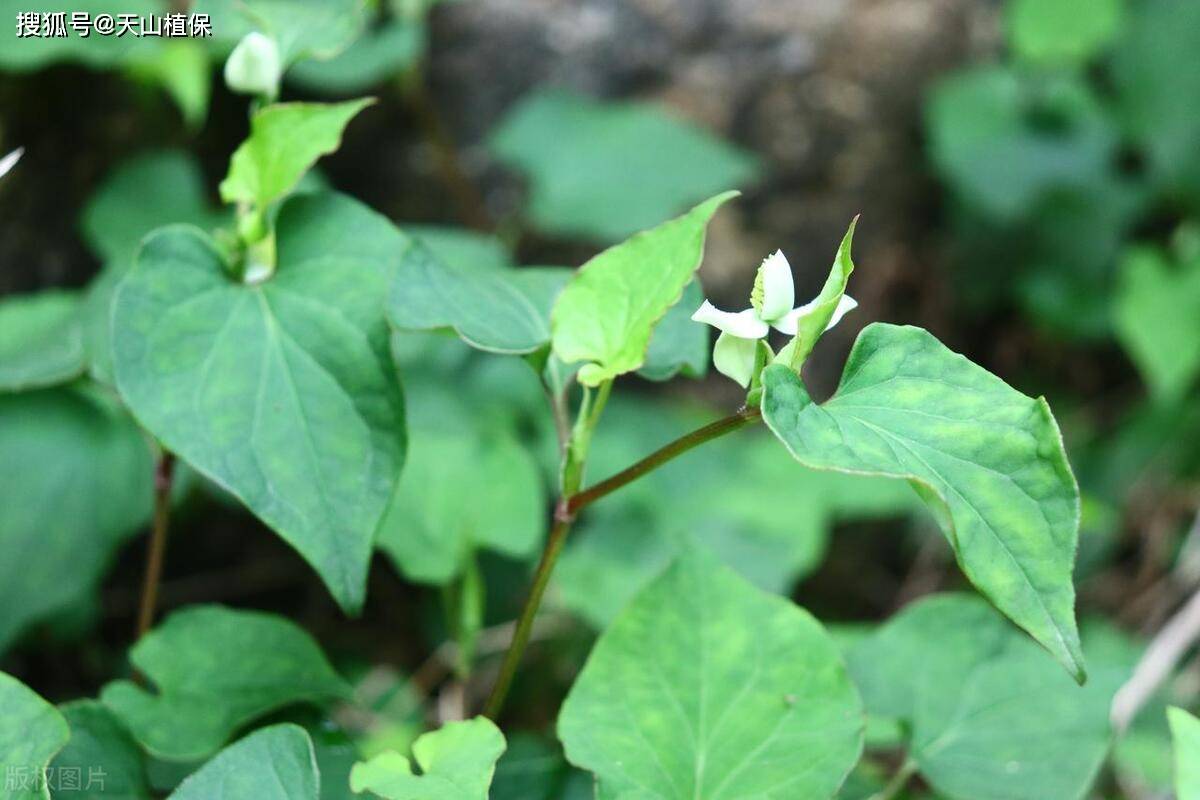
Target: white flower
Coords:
[[771, 307], [254, 66], [10, 160]]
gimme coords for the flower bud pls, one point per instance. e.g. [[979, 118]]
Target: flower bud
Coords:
[[254, 66]]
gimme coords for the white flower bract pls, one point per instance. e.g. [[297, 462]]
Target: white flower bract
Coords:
[[771, 307]]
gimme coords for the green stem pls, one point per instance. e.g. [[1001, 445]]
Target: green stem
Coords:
[[572, 502], [721, 427], [898, 782], [541, 578]]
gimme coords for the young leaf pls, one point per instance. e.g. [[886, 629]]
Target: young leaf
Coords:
[[606, 314], [31, 732], [286, 139], [1157, 319], [275, 763], [707, 688], [992, 717], [284, 392], [430, 532], [811, 325], [1062, 31], [987, 459], [101, 749], [457, 762], [607, 170], [497, 310], [213, 670], [1185, 731], [77, 484], [41, 340]]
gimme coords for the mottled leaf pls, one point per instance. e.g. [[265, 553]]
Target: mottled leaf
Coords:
[[992, 716], [987, 459], [707, 688], [213, 669], [284, 392]]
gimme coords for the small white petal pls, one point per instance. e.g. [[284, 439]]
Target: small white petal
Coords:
[[778, 290], [743, 324], [734, 357], [845, 305], [789, 322], [10, 160]]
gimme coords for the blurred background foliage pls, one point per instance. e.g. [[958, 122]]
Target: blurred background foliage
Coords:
[[1029, 179]]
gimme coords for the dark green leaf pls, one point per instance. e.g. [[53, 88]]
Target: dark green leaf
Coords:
[[78, 481], [284, 392], [430, 531], [41, 340], [31, 732], [101, 754], [608, 170], [214, 669]]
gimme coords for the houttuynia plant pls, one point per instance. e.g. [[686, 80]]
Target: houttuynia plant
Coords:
[[296, 353]]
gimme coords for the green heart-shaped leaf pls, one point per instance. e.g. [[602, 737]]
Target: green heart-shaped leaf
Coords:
[[318, 28], [1156, 314], [457, 763], [78, 476], [606, 314], [987, 459], [706, 687], [284, 392], [100, 756], [31, 732], [992, 716], [213, 670], [41, 340], [275, 763]]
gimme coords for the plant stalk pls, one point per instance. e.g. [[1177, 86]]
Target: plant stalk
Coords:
[[713, 430], [898, 782], [156, 548], [572, 502]]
